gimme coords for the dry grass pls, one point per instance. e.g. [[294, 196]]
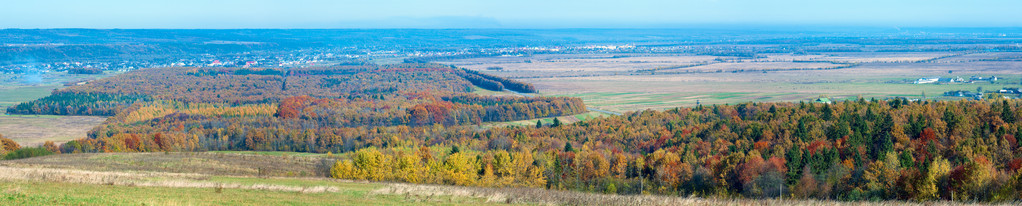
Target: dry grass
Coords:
[[551, 197], [47, 181], [757, 66], [876, 57], [34, 130], [185, 162], [140, 179]]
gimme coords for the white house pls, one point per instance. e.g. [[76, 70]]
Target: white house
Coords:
[[926, 80]]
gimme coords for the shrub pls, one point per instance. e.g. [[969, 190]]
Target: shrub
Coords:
[[7, 145], [27, 152], [611, 189]]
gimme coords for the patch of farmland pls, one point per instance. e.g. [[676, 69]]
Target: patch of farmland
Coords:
[[880, 57], [33, 130]]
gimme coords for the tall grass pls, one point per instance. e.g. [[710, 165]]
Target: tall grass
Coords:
[[557, 197]]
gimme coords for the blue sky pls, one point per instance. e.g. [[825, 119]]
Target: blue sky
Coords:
[[504, 14]]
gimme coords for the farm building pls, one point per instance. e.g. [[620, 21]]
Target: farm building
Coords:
[[823, 100], [951, 80], [927, 80], [983, 79], [937, 80], [1010, 91], [966, 94]]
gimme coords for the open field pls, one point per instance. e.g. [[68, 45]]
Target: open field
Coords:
[[77, 187], [606, 82], [33, 130], [205, 178], [659, 93], [879, 57], [486, 92], [286, 164], [547, 121], [755, 66], [9, 96], [561, 65], [16, 88]]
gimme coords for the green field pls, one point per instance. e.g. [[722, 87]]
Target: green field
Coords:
[[14, 90], [547, 121], [486, 92], [10, 96]]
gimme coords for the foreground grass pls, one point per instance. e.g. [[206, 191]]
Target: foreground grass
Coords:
[[36, 181], [58, 193], [262, 164], [193, 178], [202, 179]]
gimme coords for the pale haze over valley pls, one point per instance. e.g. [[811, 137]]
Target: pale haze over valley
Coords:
[[505, 14]]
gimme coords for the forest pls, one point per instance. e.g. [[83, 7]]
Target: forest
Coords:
[[193, 109], [417, 123], [853, 150]]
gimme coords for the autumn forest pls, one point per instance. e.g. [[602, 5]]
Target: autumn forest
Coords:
[[421, 123]]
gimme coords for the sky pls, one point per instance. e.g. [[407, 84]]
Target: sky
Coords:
[[228, 14]]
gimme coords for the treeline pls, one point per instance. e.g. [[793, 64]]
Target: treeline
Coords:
[[77, 103], [483, 82], [496, 83], [255, 86], [475, 109]]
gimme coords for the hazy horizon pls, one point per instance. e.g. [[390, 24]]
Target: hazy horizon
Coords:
[[527, 14]]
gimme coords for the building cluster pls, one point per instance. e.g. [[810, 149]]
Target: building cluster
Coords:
[[1006, 93], [965, 94], [942, 80], [1010, 91]]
